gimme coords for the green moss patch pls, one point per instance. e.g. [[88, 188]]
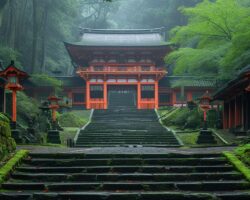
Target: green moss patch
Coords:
[[188, 138], [238, 164], [243, 153], [7, 144], [11, 164], [74, 118]]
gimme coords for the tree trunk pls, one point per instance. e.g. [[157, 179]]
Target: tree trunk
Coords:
[[35, 37], [44, 36]]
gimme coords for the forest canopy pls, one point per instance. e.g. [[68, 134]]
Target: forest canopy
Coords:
[[215, 41], [210, 37]]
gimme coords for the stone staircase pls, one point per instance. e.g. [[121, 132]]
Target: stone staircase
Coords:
[[126, 177], [124, 126]]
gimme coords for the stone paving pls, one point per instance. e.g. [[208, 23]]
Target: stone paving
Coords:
[[127, 150]]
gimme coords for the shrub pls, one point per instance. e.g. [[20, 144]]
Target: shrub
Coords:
[[26, 108], [45, 80], [69, 119], [7, 144], [193, 120], [7, 54]]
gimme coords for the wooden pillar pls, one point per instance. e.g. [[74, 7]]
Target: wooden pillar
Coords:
[[54, 115], [235, 112], [4, 101], [174, 98], [139, 95], [105, 94], [224, 116], [14, 105], [189, 96], [87, 95], [156, 95], [242, 111]]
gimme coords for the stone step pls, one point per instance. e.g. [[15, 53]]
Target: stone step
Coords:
[[156, 177], [125, 176], [127, 145], [214, 186], [126, 161], [130, 155], [117, 139], [89, 143], [128, 169], [122, 195]]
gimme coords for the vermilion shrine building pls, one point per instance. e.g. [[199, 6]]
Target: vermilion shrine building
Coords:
[[121, 68], [119, 64], [125, 67], [236, 95]]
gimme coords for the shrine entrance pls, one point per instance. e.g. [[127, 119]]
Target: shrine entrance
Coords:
[[122, 95]]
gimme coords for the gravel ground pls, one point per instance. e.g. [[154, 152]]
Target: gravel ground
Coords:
[[126, 150]]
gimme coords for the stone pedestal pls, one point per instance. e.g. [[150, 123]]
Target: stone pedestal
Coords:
[[53, 137], [206, 137], [16, 134]]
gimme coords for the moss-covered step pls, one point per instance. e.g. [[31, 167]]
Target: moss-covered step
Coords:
[[123, 176], [125, 161], [119, 126], [127, 169]]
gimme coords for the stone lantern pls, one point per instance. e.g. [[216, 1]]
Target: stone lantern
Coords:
[[206, 136], [13, 76], [54, 134]]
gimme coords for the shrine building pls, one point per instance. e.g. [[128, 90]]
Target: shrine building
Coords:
[[122, 68], [120, 64], [235, 96]]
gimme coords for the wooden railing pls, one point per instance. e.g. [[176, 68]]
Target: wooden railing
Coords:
[[121, 69]]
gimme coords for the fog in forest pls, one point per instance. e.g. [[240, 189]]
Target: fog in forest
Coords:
[[33, 32]]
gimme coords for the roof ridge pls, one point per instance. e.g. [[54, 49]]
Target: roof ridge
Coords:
[[125, 31]]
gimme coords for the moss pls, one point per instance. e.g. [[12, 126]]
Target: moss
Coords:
[[238, 164], [7, 144], [11, 164], [188, 138], [45, 80], [243, 152]]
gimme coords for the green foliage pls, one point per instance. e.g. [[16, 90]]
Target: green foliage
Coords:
[[189, 138], [215, 41], [7, 54], [27, 107], [238, 164], [243, 152], [160, 13], [184, 118], [45, 80], [7, 143], [73, 119], [11, 164]]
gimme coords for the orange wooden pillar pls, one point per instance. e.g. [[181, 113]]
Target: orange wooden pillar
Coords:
[[54, 115], [189, 96], [14, 105], [105, 94], [156, 95], [139, 95], [87, 95], [173, 98]]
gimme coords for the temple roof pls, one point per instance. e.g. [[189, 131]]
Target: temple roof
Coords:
[[123, 37], [239, 83], [188, 81]]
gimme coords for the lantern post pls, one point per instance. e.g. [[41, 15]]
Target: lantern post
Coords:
[[206, 136], [13, 76], [54, 134]]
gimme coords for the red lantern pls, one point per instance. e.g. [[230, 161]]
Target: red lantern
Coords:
[[54, 105], [13, 75], [205, 105]]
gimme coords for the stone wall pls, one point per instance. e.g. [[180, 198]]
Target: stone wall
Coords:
[[7, 143]]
